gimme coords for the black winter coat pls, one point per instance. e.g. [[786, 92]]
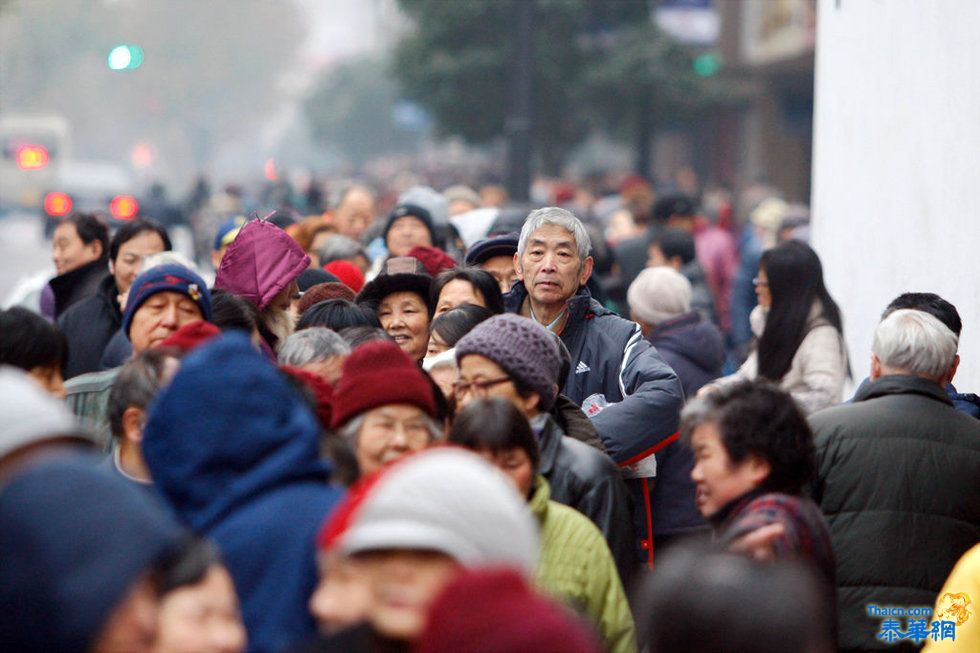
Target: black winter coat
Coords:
[[642, 394], [88, 326], [587, 480], [898, 478], [74, 286]]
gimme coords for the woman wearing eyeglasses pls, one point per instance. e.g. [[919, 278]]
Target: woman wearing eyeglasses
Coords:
[[800, 337]]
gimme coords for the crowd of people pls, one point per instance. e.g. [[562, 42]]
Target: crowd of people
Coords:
[[609, 424]]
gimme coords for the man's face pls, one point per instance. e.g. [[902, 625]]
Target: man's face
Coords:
[[390, 433], [329, 368], [502, 269], [159, 316], [132, 626], [405, 234], [718, 479], [355, 214], [403, 585], [130, 258], [69, 252], [550, 266]]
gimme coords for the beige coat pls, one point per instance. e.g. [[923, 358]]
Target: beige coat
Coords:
[[817, 373]]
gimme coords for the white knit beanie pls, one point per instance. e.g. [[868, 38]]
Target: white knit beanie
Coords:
[[29, 415], [448, 500], [659, 294]]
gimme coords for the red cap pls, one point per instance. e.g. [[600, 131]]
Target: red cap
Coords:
[[489, 610], [322, 390], [347, 272], [434, 259], [191, 335], [378, 374]]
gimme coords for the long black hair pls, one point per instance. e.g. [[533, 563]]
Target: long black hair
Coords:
[[795, 282]]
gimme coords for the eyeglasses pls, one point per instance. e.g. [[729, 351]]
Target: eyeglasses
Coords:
[[757, 282], [479, 388]]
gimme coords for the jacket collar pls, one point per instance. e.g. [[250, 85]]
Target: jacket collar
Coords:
[[540, 495], [580, 305], [549, 441], [731, 510], [676, 324], [64, 284], [901, 384]]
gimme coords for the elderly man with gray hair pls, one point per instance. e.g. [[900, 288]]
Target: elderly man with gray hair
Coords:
[[631, 395], [898, 476], [318, 350]]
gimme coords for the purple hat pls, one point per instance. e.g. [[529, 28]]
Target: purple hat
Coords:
[[167, 278], [522, 347]]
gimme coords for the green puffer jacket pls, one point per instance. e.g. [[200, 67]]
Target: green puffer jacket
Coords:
[[577, 568]]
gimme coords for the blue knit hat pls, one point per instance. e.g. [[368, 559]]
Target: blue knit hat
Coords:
[[522, 347], [167, 278]]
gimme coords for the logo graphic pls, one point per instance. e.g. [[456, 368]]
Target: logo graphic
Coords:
[[194, 292], [955, 607], [582, 368]]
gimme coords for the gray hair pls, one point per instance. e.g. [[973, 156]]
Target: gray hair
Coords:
[[312, 345], [168, 258], [339, 247], [136, 385], [349, 431], [915, 342], [560, 218], [346, 189]]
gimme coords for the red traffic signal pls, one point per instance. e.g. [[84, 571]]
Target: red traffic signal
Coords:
[[57, 204], [124, 207], [32, 157]]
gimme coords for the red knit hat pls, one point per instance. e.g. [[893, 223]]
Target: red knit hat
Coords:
[[490, 610], [191, 336], [324, 291], [322, 391], [378, 374], [434, 259], [347, 272]]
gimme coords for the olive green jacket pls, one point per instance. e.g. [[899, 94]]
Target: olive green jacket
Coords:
[[577, 568]]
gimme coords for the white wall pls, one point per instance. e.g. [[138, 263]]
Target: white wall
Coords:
[[896, 170]]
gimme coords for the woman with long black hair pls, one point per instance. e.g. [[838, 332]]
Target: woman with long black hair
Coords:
[[800, 341]]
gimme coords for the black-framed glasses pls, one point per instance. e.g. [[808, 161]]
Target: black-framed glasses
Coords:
[[479, 388]]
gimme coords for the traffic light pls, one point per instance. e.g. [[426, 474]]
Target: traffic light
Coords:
[[707, 64], [31, 157], [125, 57]]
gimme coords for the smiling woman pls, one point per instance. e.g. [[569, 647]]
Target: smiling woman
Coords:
[[400, 298]]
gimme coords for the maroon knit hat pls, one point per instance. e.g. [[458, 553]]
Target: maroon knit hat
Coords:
[[434, 259], [191, 335], [322, 391], [321, 292], [377, 374], [491, 610]]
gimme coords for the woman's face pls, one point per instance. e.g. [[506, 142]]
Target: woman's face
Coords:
[[403, 584], [406, 319], [202, 618], [762, 289], [389, 433], [456, 292], [343, 596], [516, 464]]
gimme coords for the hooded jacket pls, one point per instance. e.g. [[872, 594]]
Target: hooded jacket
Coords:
[[74, 540], [693, 347], [89, 326], [898, 476], [260, 262], [576, 567], [634, 397], [234, 450]]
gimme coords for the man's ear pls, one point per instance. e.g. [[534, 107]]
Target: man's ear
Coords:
[[676, 262], [517, 266], [875, 367], [133, 421], [532, 403], [586, 270], [948, 377]]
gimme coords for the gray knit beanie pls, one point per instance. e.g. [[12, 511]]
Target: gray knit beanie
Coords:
[[522, 347], [659, 294], [449, 500]]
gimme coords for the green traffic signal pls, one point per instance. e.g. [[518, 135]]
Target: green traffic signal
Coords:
[[125, 57], [707, 64]]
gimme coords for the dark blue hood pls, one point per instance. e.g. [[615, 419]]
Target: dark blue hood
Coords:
[[227, 429], [74, 539], [692, 337]]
